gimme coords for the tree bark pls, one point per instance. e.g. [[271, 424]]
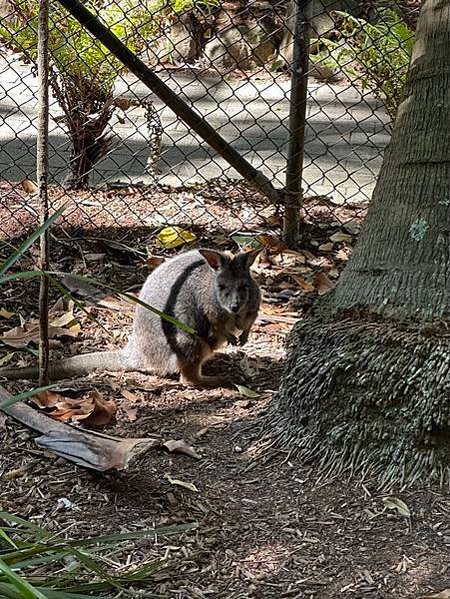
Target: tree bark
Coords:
[[367, 382]]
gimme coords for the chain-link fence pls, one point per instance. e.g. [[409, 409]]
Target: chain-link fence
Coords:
[[277, 94]]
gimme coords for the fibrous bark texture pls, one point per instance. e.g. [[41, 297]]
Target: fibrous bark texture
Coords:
[[367, 386], [401, 264], [368, 398]]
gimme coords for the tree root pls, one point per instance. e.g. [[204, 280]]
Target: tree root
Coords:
[[370, 399]]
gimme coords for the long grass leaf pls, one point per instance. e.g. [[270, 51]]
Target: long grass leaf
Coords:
[[92, 565], [7, 517], [77, 302], [28, 242], [16, 276], [24, 587], [7, 590], [131, 298], [25, 395]]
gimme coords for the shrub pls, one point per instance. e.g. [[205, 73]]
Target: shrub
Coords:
[[377, 53]]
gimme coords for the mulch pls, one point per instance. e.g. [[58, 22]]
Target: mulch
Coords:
[[268, 525]]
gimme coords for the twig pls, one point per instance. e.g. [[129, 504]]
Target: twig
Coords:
[[42, 180]]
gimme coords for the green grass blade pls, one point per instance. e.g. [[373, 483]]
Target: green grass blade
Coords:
[[8, 591], [16, 276], [29, 275], [4, 535], [131, 536], [24, 587], [25, 395], [131, 298], [77, 303], [28, 242], [7, 517], [92, 565]]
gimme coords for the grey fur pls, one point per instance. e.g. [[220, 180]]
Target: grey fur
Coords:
[[212, 293]]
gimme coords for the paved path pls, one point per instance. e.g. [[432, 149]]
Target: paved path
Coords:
[[345, 138]]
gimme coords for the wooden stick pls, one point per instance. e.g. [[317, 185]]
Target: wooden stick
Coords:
[[42, 181]]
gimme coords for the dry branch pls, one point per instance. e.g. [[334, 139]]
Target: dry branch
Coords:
[[90, 449]]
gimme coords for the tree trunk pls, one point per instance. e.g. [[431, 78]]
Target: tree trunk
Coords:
[[367, 384]]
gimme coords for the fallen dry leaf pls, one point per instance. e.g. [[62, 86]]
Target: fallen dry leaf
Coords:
[[154, 261], [130, 410], [128, 406], [326, 247], [340, 236], [323, 283], [181, 483], [6, 313], [117, 304], [343, 255], [104, 409], [305, 285], [29, 186], [180, 446], [273, 243], [445, 594], [393, 503], [63, 321], [92, 408], [22, 336]]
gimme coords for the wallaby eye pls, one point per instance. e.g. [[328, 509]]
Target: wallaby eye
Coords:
[[221, 287]]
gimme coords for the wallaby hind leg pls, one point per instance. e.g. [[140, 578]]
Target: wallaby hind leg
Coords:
[[191, 375]]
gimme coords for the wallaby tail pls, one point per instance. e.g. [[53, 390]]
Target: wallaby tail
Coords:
[[76, 366]]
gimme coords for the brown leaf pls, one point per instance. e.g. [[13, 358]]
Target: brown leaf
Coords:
[[92, 408], [127, 406], [63, 320], [130, 410], [90, 449], [29, 186], [323, 283], [340, 236], [104, 409], [180, 446], [6, 314], [273, 243], [115, 303], [154, 261], [343, 255], [326, 247], [22, 336], [445, 594], [303, 284]]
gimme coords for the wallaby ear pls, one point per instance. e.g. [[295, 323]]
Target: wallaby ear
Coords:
[[216, 260], [247, 258]]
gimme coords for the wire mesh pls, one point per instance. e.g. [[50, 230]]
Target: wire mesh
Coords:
[[120, 158]]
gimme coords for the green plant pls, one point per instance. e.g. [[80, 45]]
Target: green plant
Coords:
[[377, 54], [82, 71], [35, 564]]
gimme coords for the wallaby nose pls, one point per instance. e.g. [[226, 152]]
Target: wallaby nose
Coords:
[[235, 308]]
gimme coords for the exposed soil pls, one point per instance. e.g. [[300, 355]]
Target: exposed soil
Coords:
[[267, 525]]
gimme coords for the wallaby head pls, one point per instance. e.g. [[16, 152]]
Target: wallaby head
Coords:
[[232, 279]]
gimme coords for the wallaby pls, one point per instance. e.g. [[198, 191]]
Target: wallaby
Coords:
[[210, 292]]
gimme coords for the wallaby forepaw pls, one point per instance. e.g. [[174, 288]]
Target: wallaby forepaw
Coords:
[[243, 338], [233, 340]]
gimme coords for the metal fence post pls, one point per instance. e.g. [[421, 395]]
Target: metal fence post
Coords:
[[297, 121]]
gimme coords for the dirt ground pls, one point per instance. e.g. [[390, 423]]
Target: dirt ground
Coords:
[[267, 525]]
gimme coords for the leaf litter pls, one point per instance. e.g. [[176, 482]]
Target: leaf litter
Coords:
[[266, 527]]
